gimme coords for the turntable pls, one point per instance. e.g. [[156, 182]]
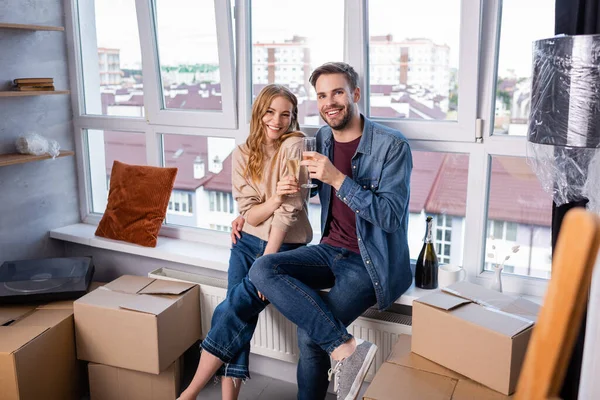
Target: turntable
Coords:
[[46, 279]]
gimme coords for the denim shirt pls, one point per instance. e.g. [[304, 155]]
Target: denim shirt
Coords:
[[378, 191]]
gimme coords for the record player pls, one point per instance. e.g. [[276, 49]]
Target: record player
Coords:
[[47, 279]]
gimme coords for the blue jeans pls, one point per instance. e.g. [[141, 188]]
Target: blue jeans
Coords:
[[292, 282], [243, 254]]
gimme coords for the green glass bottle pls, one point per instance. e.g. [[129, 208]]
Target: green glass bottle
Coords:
[[426, 271]]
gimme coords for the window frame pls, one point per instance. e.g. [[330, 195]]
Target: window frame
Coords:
[[471, 134], [155, 114], [465, 127]]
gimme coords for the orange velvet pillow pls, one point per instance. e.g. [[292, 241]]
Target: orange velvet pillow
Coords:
[[137, 203]]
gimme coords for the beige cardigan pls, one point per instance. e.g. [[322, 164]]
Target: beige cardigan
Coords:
[[292, 215]]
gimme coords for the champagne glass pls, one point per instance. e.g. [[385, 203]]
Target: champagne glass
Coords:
[[310, 144], [293, 169]]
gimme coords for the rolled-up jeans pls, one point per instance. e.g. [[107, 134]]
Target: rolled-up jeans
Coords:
[[292, 281], [243, 253]]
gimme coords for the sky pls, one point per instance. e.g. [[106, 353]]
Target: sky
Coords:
[[184, 25]]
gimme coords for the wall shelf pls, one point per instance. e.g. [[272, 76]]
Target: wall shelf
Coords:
[[16, 93], [31, 27], [16, 158]]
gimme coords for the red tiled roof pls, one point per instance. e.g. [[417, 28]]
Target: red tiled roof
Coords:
[[193, 101], [135, 100], [433, 113], [448, 192], [125, 147], [193, 147], [131, 149], [385, 112], [307, 108], [386, 90], [425, 169], [515, 192], [221, 182], [200, 86]]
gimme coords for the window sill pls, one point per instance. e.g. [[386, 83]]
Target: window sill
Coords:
[[181, 251], [195, 253]]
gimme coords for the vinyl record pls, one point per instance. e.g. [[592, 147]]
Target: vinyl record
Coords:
[[41, 282]]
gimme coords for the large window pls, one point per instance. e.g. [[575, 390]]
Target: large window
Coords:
[[438, 189], [443, 237], [111, 58], [289, 40], [413, 58], [188, 54], [519, 214], [203, 180], [452, 76], [103, 149], [513, 84]]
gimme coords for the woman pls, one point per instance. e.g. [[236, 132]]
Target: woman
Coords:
[[276, 217]]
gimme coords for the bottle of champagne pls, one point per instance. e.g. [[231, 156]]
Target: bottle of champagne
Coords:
[[426, 271]]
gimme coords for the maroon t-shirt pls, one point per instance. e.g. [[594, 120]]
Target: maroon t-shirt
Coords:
[[341, 231]]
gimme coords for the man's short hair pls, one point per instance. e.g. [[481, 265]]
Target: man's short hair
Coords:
[[335, 68]]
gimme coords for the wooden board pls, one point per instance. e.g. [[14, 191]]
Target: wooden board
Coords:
[[31, 27], [16, 158], [559, 320], [15, 93]]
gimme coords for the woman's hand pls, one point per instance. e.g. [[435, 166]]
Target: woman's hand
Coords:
[[236, 228], [287, 185]]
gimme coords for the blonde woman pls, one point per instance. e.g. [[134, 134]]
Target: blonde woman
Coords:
[[276, 219]]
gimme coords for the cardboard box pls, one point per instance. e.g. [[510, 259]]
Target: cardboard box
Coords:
[[477, 332], [68, 304], [37, 354], [137, 323], [417, 378], [112, 383]]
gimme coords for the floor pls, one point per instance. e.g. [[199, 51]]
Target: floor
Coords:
[[260, 387]]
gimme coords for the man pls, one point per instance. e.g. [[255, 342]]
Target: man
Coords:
[[363, 172]]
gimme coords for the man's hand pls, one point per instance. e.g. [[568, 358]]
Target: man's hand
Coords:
[[321, 168], [236, 228], [261, 296]]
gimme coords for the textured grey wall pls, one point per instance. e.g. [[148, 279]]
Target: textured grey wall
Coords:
[[37, 196]]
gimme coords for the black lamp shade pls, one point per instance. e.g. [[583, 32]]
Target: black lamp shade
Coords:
[[565, 92]]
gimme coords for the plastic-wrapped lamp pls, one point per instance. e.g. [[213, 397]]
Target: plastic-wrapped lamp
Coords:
[[564, 121]]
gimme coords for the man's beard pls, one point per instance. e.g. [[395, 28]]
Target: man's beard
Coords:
[[344, 122]]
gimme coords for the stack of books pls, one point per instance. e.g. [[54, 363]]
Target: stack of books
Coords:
[[34, 84]]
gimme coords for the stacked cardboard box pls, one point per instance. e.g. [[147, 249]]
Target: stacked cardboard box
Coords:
[[468, 342], [409, 376], [37, 354], [136, 328], [113, 383], [479, 333]]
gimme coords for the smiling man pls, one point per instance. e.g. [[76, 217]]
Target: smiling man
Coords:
[[363, 171]]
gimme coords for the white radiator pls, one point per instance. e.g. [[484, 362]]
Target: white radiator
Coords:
[[276, 337]]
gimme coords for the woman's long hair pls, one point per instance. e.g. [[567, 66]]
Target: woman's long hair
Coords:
[[255, 153]]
